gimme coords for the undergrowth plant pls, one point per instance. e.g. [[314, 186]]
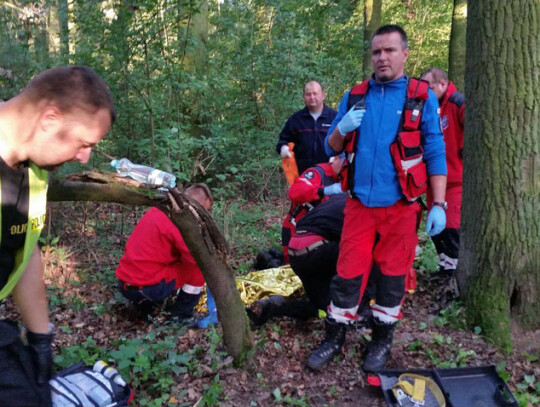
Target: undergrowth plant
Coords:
[[153, 364], [248, 228]]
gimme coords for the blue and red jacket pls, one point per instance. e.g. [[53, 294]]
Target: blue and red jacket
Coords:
[[375, 177]]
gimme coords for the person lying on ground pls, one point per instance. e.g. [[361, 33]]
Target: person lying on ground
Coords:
[[313, 250]]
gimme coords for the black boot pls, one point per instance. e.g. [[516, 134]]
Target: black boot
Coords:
[[183, 307], [279, 306], [261, 311], [330, 346], [378, 349]]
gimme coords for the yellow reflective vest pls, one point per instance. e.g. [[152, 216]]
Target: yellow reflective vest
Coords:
[[37, 208]]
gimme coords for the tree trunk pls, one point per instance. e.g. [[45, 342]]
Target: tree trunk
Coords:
[[372, 21], [53, 28], [202, 236], [211, 259], [456, 54], [499, 269], [63, 28]]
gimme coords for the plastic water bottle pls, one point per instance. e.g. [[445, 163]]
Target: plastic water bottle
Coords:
[[144, 174], [109, 372]]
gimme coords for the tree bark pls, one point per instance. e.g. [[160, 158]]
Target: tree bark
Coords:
[[103, 187], [372, 21], [499, 270], [210, 256], [63, 28], [201, 234], [456, 53]]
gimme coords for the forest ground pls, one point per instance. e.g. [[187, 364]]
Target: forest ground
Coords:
[[170, 365]]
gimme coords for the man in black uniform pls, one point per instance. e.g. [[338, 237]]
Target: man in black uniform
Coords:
[[307, 129], [57, 118], [313, 251]]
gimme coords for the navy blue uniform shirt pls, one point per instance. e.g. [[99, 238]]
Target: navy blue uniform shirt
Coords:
[[308, 136]]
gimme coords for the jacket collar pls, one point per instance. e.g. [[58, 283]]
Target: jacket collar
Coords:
[[324, 112], [396, 83], [450, 90]]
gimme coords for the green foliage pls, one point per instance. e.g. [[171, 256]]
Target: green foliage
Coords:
[[428, 24], [152, 363], [288, 400], [244, 226], [452, 316], [208, 104], [58, 298], [87, 351], [443, 352], [528, 390], [213, 393]]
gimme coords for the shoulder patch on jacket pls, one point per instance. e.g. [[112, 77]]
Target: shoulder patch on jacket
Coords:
[[457, 98]]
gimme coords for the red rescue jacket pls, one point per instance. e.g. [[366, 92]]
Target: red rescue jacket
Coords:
[[452, 123], [306, 193]]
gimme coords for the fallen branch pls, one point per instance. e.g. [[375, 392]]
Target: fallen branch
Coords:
[[198, 229]]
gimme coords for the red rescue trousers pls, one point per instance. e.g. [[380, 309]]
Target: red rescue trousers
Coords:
[[395, 227]]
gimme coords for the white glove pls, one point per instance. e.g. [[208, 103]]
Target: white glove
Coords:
[[351, 121], [333, 189], [285, 152]]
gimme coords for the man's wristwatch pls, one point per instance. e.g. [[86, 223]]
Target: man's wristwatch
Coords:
[[443, 205]]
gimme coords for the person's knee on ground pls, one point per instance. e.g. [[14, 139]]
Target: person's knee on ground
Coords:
[[143, 307]]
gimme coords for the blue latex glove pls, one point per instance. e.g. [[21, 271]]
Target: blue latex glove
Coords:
[[333, 189], [212, 317], [351, 121], [436, 221]]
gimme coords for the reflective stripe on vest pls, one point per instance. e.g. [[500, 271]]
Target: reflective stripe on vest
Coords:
[[37, 207]]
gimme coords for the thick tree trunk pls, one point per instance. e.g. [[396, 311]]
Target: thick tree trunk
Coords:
[[500, 253], [201, 234], [456, 54], [372, 21]]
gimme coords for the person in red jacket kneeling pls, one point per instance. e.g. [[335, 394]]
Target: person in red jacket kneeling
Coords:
[[157, 263]]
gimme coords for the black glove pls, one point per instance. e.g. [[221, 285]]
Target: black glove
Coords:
[[41, 351]]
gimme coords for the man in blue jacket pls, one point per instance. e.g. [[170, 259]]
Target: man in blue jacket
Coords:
[[376, 210], [307, 129]]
